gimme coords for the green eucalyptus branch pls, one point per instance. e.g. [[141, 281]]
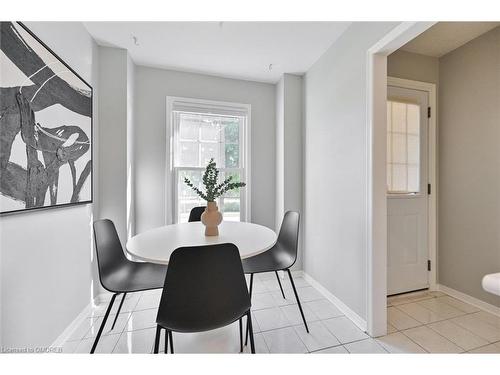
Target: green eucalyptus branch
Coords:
[[196, 190], [213, 189]]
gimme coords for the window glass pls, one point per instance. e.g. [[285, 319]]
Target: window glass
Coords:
[[197, 139], [403, 147]]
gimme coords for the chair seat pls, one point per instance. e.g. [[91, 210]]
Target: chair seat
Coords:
[[274, 259], [135, 277]]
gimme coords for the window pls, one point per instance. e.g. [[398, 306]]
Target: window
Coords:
[[202, 130], [403, 148]]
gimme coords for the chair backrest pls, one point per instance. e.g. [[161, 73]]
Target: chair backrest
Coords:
[[288, 237], [110, 256], [195, 213], [204, 289]]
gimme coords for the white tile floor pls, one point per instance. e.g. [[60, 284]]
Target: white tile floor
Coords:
[[422, 322], [433, 322]]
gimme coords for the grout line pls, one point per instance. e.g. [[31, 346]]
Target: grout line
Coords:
[[328, 347], [416, 343], [144, 309], [411, 301], [355, 341], [465, 350], [300, 338], [483, 346], [475, 334], [85, 334], [435, 312], [435, 321], [457, 308], [265, 343], [405, 313], [426, 325], [116, 343], [263, 339]]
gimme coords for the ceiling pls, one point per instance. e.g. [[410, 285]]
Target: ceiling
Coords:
[[444, 37], [258, 51]]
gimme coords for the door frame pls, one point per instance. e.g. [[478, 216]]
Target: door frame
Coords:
[[430, 88], [376, 215]]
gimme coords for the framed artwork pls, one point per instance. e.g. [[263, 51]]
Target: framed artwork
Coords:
[[45, 126]]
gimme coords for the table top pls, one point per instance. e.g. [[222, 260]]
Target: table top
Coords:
[[156, 245]]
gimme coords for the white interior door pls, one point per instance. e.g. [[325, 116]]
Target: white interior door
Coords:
[[407, 179]]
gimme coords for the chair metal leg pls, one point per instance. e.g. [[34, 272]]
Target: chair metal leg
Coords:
[[171, 339], [250, 293], [297, 298], [166, 342], [241, 334], [157, 339], [103, 323], [118, 312], [252, 344], [279, 282]]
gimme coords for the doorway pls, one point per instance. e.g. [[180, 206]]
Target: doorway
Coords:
[[376, 170], [408, 160]]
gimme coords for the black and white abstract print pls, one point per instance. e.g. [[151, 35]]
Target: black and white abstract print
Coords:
[[45, 126]]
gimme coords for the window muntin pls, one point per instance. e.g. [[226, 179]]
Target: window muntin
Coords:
[[403, 147]]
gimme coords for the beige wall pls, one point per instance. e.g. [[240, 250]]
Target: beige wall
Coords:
[[468, 82], [469, 165], [407, 65]]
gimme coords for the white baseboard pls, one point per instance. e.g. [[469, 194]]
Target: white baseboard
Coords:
[[102, 298], [469, 299], [85, 313], [66, 334], [356, 319], [297, 273]]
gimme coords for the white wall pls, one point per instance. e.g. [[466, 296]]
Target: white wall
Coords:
[[113, 138], [116, 144], [280, 151], [46, 255], [293, 129], [130, 148], [289, 145], [336, 165], [152, 86]]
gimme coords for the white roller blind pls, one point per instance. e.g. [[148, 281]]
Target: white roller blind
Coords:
[[200, 108]]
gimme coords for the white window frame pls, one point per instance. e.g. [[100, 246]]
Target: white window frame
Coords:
[[171, 173]]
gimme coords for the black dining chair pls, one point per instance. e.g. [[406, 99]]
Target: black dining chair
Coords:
[[195, 213], [205, 289], [280, 257], [118, 274]]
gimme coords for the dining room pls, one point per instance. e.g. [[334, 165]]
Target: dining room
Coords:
[[199, 186], [194, 158]]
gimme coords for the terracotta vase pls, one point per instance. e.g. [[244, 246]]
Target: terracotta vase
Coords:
[[211, 218]]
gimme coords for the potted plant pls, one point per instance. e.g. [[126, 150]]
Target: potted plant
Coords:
[[211, 218]]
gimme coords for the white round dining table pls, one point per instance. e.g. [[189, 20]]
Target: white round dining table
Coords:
[[156, 245]]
